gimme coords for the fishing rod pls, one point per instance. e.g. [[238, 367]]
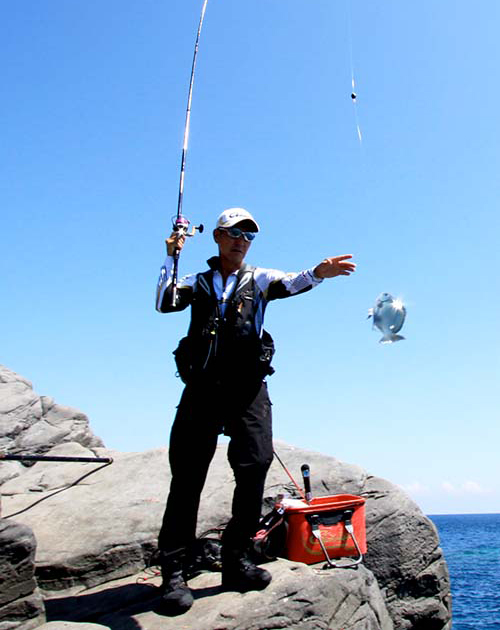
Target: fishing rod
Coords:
[[55, 458], [180, 222], [105, 461]]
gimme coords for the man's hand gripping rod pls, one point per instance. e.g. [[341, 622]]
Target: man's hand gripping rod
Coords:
[[180, 227], [180, 223]]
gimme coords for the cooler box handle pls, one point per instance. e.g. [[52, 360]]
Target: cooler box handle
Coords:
[[332, 518]]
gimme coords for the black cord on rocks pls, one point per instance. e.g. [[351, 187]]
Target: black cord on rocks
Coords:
[[58, 491]]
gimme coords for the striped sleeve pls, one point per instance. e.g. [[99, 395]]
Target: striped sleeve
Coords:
[[164, 289], [276, 284]]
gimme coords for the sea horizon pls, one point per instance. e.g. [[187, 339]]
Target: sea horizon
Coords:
[[430, 515]]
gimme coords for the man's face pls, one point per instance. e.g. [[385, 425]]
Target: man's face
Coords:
[[233, 250]]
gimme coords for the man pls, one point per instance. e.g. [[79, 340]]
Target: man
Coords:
[[224, 360]]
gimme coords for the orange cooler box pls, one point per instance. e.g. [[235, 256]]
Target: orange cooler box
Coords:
[[340, 522]]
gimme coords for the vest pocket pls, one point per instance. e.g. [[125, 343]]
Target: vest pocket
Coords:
[[183, 356], [266, 354]]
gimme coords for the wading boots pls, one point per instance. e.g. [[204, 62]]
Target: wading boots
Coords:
[[240, 573], [176, 598]]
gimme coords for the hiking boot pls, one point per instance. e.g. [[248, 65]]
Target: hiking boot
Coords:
[[240, 574], [176, 598]]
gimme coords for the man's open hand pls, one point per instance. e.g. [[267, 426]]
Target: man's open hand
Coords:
[[335, 266]]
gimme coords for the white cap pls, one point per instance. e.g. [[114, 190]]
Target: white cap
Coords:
[[232, 216]]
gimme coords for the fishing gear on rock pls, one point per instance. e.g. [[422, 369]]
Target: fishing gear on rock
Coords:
[[307, 529], [313, 529], [55, 458]]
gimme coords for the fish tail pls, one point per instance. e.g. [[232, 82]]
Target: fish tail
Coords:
[[391, 338]]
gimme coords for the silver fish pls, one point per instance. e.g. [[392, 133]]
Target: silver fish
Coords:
[[388, 316]]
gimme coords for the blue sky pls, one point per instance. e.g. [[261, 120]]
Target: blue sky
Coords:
[[93, 107]]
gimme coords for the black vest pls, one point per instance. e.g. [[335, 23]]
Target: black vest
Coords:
[[225, 348]]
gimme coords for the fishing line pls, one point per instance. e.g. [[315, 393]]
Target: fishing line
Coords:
[[354, 96]]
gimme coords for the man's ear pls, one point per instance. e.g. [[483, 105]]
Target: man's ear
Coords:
[[216, 235]]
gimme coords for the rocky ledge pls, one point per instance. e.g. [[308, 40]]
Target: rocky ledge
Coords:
[[94, 539]]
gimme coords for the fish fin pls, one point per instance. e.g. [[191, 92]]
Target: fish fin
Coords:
[[395, 328], [391, 338]]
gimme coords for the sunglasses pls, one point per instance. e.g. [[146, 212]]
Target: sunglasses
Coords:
[[235, 232]]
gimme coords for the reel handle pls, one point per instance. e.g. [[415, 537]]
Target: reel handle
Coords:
[[181, 224], [200, 229]]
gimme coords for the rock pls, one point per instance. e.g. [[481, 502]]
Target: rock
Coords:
[[405, 556], [32, 424], [96, 524], [71, 625], [105, 527], [50, 476], [21, 604], [9, 470], [298, 597], [403, 544]]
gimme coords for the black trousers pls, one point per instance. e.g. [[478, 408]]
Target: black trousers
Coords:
[[242, 412]]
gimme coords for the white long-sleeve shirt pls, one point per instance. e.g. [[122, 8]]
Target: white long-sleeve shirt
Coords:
[[272, 283]]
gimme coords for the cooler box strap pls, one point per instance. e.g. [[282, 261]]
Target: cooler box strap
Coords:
[[333, 518]]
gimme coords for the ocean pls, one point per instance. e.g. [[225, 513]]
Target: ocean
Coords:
[[471, 546]]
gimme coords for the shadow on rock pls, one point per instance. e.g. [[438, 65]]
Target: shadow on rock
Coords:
[[115, 606], [207, 591], [126, 601]]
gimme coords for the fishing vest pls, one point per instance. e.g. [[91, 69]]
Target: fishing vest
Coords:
[[225, 348]]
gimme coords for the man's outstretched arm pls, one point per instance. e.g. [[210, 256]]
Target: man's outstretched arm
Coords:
[[277, 284]]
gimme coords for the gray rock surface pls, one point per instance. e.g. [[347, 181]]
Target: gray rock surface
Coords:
[[102, 528], [32, 424], [105, 527], [9, 470], [21, 602], [299, 597], [403, 544], [71, 625], [96, 527]]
